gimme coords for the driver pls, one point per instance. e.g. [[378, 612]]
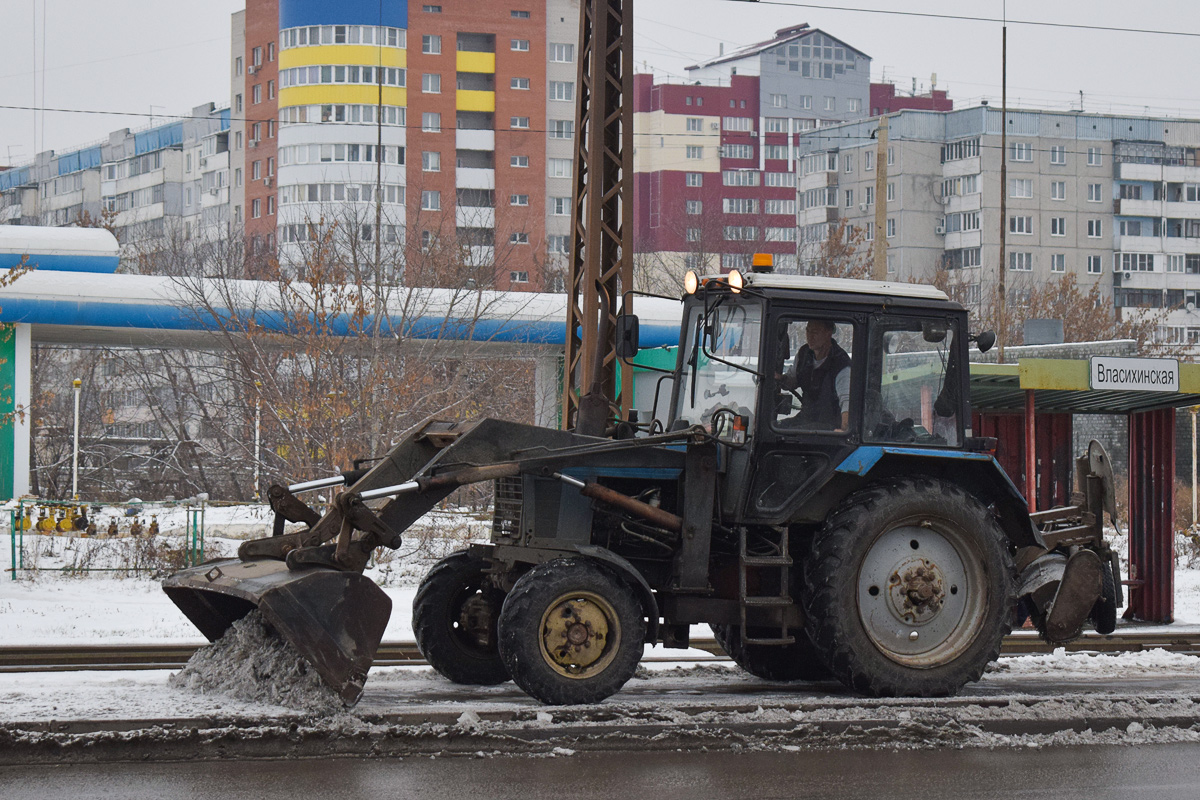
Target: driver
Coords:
[[821, 371]]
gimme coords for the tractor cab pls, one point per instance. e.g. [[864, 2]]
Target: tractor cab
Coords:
[[794, 374]]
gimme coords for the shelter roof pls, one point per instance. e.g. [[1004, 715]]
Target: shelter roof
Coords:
[[1062, 385]]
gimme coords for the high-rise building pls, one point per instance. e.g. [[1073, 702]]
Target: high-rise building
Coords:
[[462, 114], [1113, 200], [715, 157]]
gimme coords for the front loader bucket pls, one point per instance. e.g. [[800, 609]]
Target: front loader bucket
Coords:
[[335, 620]]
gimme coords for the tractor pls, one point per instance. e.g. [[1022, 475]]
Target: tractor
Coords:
[[805, 481]]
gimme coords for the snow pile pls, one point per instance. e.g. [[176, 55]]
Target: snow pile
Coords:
[[252, 663], [1099, 665]]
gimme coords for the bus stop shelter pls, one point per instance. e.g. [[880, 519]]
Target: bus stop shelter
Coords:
[[1029, 406]]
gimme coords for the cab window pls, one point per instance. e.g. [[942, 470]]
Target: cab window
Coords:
[[911, 398], [719, 381], [813, 374]]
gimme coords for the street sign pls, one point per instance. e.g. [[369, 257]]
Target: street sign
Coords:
[[1134, 374]]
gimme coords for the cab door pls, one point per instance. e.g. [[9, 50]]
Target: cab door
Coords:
[[810, 418]]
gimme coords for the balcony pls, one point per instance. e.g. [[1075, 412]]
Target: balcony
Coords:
[[475, 62], [475, 140], [1182, 210], [1143, 208], [474, 178], [474, 217], [475, 101]]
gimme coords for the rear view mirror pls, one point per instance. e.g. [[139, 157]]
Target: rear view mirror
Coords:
[[984, 341], [627, 336]]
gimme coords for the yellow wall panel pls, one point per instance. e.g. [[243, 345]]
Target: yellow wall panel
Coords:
[[476, 62], [475, 101], [342, 54], [341, 93]]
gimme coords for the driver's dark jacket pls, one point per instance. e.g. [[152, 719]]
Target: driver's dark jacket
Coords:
[[821, 407]]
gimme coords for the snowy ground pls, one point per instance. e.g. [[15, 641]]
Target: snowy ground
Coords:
[[54, 606]]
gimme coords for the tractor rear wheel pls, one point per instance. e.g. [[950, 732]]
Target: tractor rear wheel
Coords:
[[571, 632], [455, 615], [909, 589], [772, 662]]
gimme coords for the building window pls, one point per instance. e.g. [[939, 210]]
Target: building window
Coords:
[[830, 103], [694, 179], [1095, 193], [432, 9], [1058, 226], [237, 103], [431, 44], [270, 166], [1020, 187], [560, 206], [562, 128], [891, 156], [1095, 158], [692, 234], [778, 101], [270, 90], [868, 160], [805, 102], [1058, 154], [1094, 266], [748, 177], [256, 170], [519, 161], [431, 200], [891, 227], [1058, 262], [518, 122], [694, 207], [854, 104], [270, 51], [237, 67], [270, 205], [1095, 228], [256, 56], [775, 152], [1058, 190], [518, 238], [562, 53], [556, 243], [738, 151], [558, 167], [1022, 225], [431, 83], [1135, 262], [694, 151], [1020, 151], [519, 276], [694, 124], [848, 162], [431, 122], [891, 192], [849, 198], [561, 90], [255, 208], [519, 45], [518, 200], [431, 162], [519, 83], [1020, 262], [520, 14]]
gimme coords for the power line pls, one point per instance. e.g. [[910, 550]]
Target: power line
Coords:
[[969, 18]]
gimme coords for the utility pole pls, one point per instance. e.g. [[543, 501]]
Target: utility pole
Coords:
[[601, 260], [1003, 281], [77, 384], [879, 270]]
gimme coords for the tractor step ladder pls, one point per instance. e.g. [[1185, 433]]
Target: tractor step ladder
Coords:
[[782, 562]]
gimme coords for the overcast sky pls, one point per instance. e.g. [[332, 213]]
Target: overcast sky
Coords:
[[163, 56]]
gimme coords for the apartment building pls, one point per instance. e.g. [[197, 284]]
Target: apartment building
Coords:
[[715, 157], [1113, 200], [463, 113], [165, 180]]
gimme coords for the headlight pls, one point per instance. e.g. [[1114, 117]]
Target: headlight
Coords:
[[736, 281], [690, 282]]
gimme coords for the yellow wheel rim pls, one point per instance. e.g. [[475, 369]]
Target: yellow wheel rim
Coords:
[[580, 634]]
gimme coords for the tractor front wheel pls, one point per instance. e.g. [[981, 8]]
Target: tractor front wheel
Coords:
[[455, 615], [571, 632], [909, 589]]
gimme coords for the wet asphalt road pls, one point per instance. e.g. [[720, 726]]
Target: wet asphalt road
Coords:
[[1153, 772]]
